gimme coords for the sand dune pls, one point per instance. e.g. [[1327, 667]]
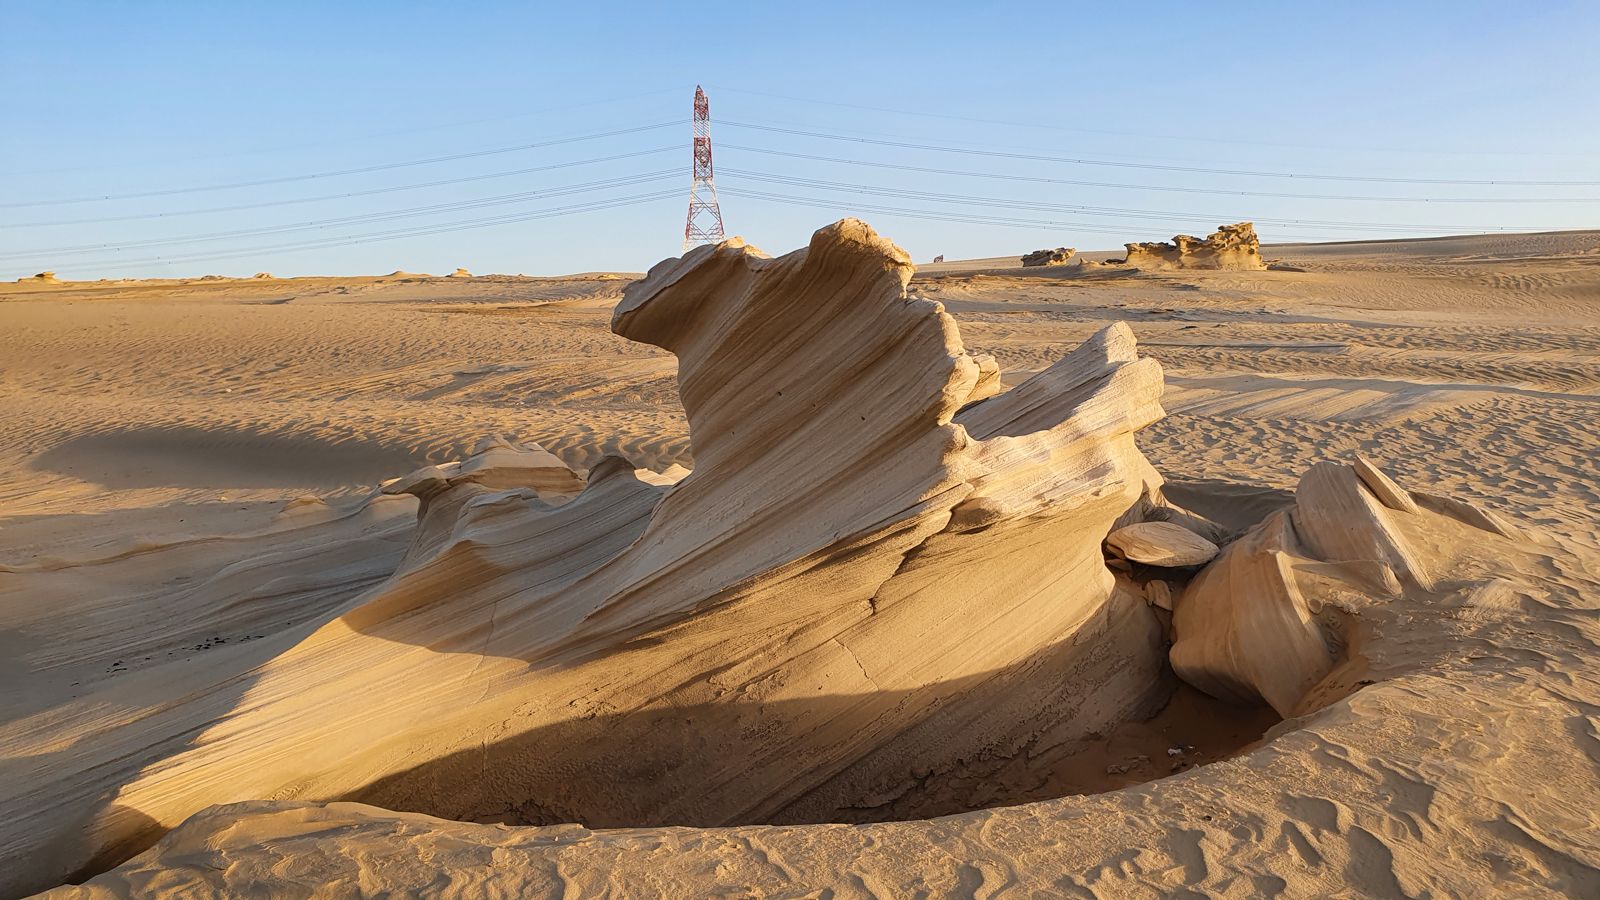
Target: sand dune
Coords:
[[879, 597]]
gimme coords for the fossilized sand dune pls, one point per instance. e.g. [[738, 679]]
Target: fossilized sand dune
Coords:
[[867, 539], [1423, 718], [1229, 247], [825, 621]]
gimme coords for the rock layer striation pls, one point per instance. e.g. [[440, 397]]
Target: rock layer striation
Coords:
[[1229, 247], [877, 569], [1060, 256]]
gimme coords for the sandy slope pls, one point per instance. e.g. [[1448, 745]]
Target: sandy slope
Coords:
[[154, 434]]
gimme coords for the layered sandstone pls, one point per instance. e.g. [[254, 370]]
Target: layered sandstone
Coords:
[[1274, 616], [878, 568], [1229, 247], [1449, 751], [1060, 256], [1437, 663]]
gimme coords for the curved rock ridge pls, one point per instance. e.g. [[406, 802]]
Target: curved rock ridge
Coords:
[[878, 569], [1229, 247], [1450, 704], [1270, 620]]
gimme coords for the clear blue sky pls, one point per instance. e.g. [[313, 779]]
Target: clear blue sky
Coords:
[[117, 98]]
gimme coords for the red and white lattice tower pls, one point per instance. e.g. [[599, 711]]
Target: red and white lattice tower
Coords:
[[705, 216]]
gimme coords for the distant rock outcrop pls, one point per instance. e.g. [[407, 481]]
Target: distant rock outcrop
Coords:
[[1060, 256], [460, 273], [262, 275], [1229, 247], [42, 278]]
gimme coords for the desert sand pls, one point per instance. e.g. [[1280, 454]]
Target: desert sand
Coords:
[[422, 584]]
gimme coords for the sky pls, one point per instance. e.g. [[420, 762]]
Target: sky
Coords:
[[163, 139]]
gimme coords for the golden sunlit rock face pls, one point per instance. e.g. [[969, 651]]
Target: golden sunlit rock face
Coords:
[[907, 624], [1229, 247], [875, 571]]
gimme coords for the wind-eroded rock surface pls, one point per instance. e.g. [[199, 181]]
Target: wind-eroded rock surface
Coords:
[[1276, 614], [880, 596], [1060, 256], [1229, 247], [1438, 664], [876, 571]]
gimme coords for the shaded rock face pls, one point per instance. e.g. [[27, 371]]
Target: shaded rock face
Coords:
[[1437, 659], [1229, 247], [1408, 634], [880, 568], [1265, 621], [1060, 256]]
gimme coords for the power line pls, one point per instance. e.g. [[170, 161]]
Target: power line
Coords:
[[624, 181], [1147, 187], [1149, 166], [374, 237], [930, 214], [1115, 212], [630, 180], [1102, 131], [1121, 212], [608, 183], [604, 184], [349, 139], [999, 205], [933, 215], [367, 193], [356, 171]]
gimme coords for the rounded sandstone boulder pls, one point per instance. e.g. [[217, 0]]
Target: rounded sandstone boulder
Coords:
[[1162, 544]]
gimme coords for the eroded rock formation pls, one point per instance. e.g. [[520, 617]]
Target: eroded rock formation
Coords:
[[1060, 256], [1163, 544], [1270, 619], [1460, 715], [870, 573], [1229, 247], [878, 568]]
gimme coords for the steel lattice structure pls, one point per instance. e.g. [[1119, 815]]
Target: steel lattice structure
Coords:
[[704, 225]]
